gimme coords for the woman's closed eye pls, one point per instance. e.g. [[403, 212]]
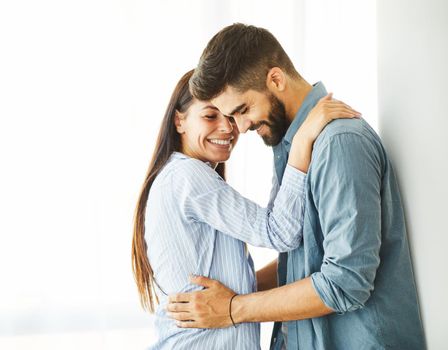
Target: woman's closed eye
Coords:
[[231, 120]]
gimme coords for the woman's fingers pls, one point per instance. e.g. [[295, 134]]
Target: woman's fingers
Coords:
[[341, 108], [336, 104], [325, 102], [342, 113]]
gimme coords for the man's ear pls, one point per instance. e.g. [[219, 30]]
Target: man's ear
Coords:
[[179, 122], [276, 80]]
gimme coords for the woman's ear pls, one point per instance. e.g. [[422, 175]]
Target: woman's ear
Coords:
[[179, 122], [276, 80]]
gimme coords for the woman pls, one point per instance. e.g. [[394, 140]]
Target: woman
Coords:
[[195, 223]]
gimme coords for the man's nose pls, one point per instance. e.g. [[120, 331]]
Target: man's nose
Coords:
[[243, 125]]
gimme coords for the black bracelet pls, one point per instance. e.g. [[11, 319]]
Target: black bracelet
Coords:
[[230, 309]]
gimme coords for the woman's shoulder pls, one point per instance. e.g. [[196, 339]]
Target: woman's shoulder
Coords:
[[189, 175], [185, 166], [181, 170]]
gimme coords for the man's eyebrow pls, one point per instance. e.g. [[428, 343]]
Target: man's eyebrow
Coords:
[[237, 109]]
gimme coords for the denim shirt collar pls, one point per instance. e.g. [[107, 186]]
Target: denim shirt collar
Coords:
[[282, 149], [318, 91]]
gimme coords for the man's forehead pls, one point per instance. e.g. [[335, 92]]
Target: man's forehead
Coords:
[[230, 99]]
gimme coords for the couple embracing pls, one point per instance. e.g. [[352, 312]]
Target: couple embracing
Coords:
[[343, 278]]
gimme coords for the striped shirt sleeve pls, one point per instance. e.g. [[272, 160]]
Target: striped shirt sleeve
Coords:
[[206, 197]]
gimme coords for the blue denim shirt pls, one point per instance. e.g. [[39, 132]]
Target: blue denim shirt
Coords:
[[354, 247]]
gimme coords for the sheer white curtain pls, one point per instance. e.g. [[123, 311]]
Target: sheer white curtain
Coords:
[[83, 87]]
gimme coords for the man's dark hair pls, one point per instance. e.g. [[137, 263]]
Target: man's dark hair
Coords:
[[239, 56]]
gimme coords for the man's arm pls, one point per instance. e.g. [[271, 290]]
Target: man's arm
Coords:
[[294, 301], [210, 308], [347, 187], [267, 276]]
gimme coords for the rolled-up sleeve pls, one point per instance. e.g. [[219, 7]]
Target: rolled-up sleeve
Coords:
[[347, 188]]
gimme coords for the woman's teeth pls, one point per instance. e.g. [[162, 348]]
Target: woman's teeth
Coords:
[[220, 142]]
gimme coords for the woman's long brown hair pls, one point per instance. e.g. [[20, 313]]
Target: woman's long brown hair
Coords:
[[168, 142]]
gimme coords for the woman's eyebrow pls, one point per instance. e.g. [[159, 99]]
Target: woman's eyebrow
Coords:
[[210, 107]]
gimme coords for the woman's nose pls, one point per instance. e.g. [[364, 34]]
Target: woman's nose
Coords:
[[225, 125]]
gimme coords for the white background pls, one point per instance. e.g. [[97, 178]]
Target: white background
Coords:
[[83, 87]]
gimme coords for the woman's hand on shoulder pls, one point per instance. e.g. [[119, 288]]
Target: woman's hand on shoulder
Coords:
[[326, 110]]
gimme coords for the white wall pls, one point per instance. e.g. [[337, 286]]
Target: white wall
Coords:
[[413, 75]]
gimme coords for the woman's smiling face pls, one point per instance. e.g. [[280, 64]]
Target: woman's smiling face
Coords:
[[206, 134]]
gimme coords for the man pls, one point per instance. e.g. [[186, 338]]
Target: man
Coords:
[[350, 284]]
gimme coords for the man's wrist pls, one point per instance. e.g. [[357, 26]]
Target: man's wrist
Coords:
[[230, 309], [238, 309]]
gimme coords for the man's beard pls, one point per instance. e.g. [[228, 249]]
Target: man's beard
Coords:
[[277, 122]]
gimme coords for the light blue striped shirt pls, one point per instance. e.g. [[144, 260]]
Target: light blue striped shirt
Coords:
[[196, 224]]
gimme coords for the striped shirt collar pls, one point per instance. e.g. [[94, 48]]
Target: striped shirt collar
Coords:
[[180, 155]]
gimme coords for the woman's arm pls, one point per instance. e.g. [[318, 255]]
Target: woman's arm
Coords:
[[205, 198]]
